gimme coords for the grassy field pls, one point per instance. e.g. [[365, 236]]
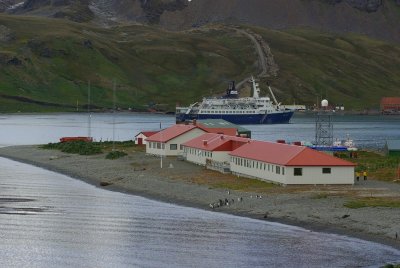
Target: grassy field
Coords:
[[378, 166], [392, 202], [47, 66]]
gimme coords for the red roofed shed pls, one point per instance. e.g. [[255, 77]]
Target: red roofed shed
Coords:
[[390, 105], [140, 138]]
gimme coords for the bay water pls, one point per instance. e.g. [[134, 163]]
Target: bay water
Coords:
[[51, 220]]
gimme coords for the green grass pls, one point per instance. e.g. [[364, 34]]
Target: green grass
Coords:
[[157, 69], [320, 196], [373, 202], [75, 147], [389, 265], [378, 166], [115, 155]]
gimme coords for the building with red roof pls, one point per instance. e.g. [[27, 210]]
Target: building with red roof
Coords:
[[289, 164], [211, 148], [390, 105], [168, 142], [140, 138]]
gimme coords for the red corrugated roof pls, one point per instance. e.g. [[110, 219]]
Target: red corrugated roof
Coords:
[[225, 131], [216, 142], [170, 133], [287, 155], [147, 133], [390, 100]]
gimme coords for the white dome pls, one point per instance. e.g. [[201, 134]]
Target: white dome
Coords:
[[324, 103]]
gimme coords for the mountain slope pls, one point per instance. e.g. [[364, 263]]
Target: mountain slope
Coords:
[[52, 61], [375, 18], [48, 65]]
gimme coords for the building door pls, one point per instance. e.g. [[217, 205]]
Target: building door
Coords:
[[140, 141]]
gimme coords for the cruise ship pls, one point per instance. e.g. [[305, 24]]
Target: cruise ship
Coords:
[[249, 110]]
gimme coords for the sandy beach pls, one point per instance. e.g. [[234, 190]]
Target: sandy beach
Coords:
[[317, 208]]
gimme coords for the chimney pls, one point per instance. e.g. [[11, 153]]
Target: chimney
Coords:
[[204, 142], [222, 137], [194, 122]]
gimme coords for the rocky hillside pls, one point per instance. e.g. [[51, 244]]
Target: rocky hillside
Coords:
[[307, 49], [374, 18], [47, 65]]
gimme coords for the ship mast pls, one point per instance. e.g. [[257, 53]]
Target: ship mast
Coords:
[[256, 89]]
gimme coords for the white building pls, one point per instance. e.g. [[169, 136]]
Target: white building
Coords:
[[289, 164], [168, 142], [140, 138], [211, 147]]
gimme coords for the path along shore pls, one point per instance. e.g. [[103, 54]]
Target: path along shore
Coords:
[[317, 208]]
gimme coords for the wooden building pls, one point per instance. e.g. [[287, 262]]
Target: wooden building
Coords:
[[390, 105]]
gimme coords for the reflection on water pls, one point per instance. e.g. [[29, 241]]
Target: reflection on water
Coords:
[[367, 131], [50, 220]]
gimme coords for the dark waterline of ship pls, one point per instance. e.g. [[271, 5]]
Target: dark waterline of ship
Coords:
[[51, 220]]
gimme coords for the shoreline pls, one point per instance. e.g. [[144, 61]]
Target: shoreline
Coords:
[[153, 184]]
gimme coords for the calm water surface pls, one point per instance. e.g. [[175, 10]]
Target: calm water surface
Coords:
[[50, 220], [367, 131]]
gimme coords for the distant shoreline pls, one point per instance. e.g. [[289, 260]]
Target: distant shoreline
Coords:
[[307, 112], [293, 206]]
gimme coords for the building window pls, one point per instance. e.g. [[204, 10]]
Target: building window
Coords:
[[298, 171], [283, 170], [278, 170], [173, 147], [163, 146], [181, 147], [158, 145], [326, 170]]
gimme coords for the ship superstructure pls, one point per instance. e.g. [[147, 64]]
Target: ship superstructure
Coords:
[[249, 110]]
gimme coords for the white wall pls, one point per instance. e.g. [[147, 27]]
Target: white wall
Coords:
[[314, 175], [311, 175], [200, 156], [194, 133], [258, 171], [140, 136]]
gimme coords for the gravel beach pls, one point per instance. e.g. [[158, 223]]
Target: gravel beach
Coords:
[[317, 208]]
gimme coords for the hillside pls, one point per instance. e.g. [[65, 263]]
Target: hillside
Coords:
[[375, 18], [47, 65], [52, 60]]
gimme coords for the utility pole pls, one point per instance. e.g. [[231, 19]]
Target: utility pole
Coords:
[[113, 144], [89, 115], [161, 155]]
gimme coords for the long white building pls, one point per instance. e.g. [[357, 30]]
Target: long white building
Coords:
[[289, 164]]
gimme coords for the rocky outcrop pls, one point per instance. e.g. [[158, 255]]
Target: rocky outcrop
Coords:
[[153, 9], [363, 5], [375, 18], [6, 34]]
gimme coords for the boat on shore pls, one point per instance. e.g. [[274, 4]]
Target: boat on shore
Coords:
[[249, 110]]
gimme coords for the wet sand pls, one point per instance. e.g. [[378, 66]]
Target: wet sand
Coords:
[[317, 208]]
